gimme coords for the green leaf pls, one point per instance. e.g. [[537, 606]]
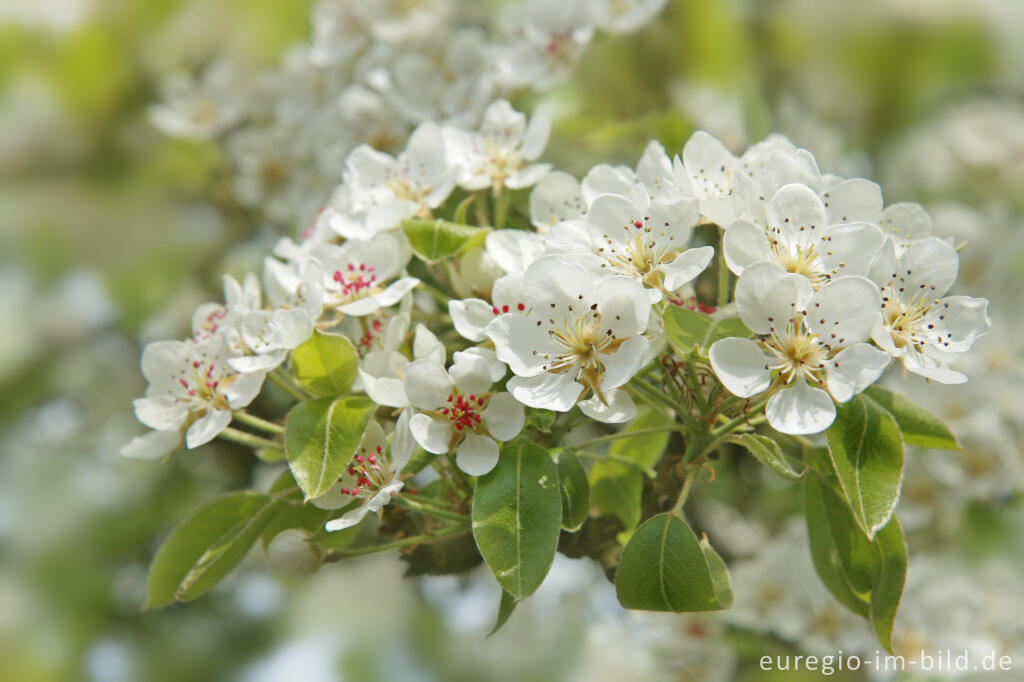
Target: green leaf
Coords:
[[320, 438], [615, 487], [205, 548], [303, 516], [434, 240], [866, 449], [824, 549], [575, 491], [865, 576], [517, 514], [505, 609], [326, 364], [919, 426], [688, 329], [665, 568], [888, 587], [767, 451], [445, 556]]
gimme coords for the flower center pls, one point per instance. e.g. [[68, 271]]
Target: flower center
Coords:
[[463, 412], [800, 259], [364, 473], [797, 353], [904, 319], [583, 340], [358, 282], [642, 253]]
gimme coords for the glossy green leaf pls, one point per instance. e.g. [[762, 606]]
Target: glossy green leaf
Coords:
[[866, 449], [205, 548], [724, 328], [665, 568], [767, 451], [888, 587], [575, 490], [517, 514], [326, 364], [320, 438], [615, 487], [434, 240], [505, 609], [919, 426], [824, 550]]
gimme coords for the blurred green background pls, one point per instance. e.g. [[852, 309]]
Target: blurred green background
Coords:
[[111, 233]]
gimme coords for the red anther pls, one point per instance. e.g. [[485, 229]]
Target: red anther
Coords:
[[196, 364], [495, 310], [521, 307], [449, 397], [338, 277], [377, 326], [479, 401], [444, 411], [344, 491], [504, 308], [637, 224], [192, 391], [359, 459], [362, 267], [380, 450], [472, 396], [211, 384], [351, 267], [183, 383], [372, 459]]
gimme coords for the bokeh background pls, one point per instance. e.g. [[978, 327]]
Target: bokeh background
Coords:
[[111, 233]]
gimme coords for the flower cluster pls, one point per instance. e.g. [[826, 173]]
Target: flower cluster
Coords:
[[373, 71]]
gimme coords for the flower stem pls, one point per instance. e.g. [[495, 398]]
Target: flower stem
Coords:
[[723, 272], [415, 505], [288, 384], [677, 508], [338, 554], [258, 423], [243, 438], [626, 434], [501, 208]]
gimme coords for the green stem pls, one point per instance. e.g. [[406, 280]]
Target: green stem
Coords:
[[677, 509], [744, 418], [649, 473], [243, 438], [627, 434], [408, 503], [723, 272], [501, 208], [287, 384], [694, 382], [653, 395], [337, 554], [258, 423]]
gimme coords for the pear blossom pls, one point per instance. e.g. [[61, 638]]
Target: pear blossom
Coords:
[[457, 410], [501, 154], [371, 479], [812, 342], [798, 238], [548, 39], [514, 250], [380, 371], [578, 336], [240, 298], [644, 239], [555, 198], [200, 108], [471, 316], [388, 190], [191, 386], [919, 324], [357, 274]]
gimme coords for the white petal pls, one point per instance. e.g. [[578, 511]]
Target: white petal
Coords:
[[605, 179], [360, 306], [243, 390], [476, 454], [800, 410], [470, 316], [554, 199], [383, 390], [686, 266], [855, 368], [527, 176], [852, 200], [709, 165], [906, 221], [626, 361], [620, 407], [745, 244], [402, 443], [549, 391], [471, 374], [162, 413], [751, 290], [504, 416], [396, 290], [251, 364], [958, 322], [432, 434], [152, 445], [537, 133], [495, 368], [520, 343], [845, 311], [558, 280], [740, 365], [426, 384], [425, 345], [928, 266], [207, 428], [350, 518], [612, 216], [795, 208], [852, 248]]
